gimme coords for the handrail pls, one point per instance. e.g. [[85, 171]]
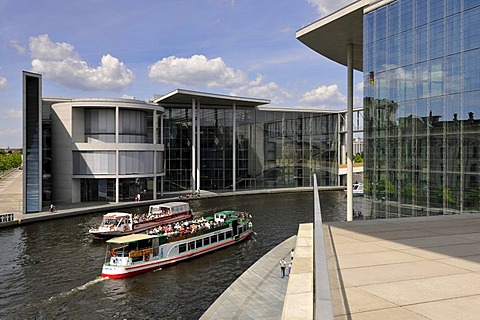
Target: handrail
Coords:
[[323, 307]]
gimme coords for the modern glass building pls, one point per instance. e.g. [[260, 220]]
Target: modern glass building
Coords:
[[109, 150], [241, 145], [421, 68]]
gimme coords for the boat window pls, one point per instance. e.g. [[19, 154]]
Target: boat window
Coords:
[[182, 248], [206, 241], [198, 243], [221, 236], [191, 245], [228, 234], [213, 238]]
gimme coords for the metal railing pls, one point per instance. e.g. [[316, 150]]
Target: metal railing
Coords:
[[323, 307]]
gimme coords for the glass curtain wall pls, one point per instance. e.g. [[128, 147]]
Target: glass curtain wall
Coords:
[[273, 149], [422, 87]]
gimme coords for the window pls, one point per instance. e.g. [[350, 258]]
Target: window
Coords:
[[221, 236], [182, 248], [206, 241], [213, 238], [198, 243], [191, 245], [228, 234], [93, 162]]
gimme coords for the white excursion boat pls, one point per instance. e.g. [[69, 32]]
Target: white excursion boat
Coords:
[[116, 224], [357, 189], [138, 253]]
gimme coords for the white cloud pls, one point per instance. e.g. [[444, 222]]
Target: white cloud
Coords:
[[126, 96], [3, 83], [60, 63], [359, 87], [200, 72], [325, 7], [9, 132], [12, 113], [20, 49], [325, 97], [256, 88], [196, 71]]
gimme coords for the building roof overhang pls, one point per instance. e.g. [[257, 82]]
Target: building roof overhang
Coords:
[[331, 35], [182, 98]]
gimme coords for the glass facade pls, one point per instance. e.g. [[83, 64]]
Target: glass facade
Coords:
[[32, 165], [273, 149], [421, 63]]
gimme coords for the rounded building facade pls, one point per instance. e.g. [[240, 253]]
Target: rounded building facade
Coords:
[[106, 150]]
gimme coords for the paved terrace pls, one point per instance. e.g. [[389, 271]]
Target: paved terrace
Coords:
[[409, 268]]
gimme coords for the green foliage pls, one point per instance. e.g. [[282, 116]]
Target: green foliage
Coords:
[[410, 190], [446, 195], [358, 158], [10, 160]]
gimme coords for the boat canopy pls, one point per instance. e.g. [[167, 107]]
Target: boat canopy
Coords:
[[131, 238], [174, 207], [116, 215]]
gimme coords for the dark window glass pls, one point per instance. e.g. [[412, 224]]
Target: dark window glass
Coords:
[[182, 248]]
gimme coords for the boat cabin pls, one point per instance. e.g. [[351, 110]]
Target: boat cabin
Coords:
[[169, 208], [132, 248], [117, 220]]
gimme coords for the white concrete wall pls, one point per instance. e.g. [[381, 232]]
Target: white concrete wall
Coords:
[[62, 165]]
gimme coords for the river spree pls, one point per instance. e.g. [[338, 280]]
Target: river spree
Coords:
[[51, 270]]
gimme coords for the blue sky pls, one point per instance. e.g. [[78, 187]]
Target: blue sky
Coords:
[[124, 48]]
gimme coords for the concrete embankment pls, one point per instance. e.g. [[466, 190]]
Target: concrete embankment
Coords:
[[259, 292], [11, 201]]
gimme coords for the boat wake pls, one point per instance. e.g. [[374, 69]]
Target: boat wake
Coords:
[[77, 289]]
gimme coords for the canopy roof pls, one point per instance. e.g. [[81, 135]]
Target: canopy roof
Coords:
[[182, 98], [131, 238], [331, 35]]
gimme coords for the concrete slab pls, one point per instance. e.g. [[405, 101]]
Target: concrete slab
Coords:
[[423, 268], [397, 272], [465, 308], [355, 300], [374, 258], [427, 289], [390, 314]]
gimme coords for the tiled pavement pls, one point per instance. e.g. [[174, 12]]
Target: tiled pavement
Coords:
[[408, 268], [258, 293]]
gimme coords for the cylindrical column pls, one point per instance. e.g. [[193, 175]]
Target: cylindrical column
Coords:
[[194, 153], [350, 133], [197, 187], [234, 148], [117, 154]]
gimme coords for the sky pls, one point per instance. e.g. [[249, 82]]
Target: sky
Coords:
[[140, 49]]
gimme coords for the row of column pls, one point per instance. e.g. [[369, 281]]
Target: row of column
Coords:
[[195, 175]]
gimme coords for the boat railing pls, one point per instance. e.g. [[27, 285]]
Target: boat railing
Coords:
[[140, 252], [175, 236]]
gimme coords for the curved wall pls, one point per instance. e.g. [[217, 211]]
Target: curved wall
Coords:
[[106, 150]]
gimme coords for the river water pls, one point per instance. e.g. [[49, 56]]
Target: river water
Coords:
[[51, 270]]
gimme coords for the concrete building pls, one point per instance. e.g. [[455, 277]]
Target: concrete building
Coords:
[[421, 65], [110, 150], [83, 150]]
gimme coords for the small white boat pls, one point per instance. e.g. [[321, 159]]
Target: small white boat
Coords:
[[116, 224], [357, 189], [138, 253]]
